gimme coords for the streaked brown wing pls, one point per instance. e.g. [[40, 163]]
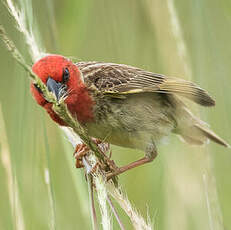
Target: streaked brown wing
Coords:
[[118, 79]]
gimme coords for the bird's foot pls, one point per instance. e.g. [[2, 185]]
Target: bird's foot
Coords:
[[106, 164], [81, 150]]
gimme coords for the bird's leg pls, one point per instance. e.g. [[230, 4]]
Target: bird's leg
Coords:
[[150, 155]]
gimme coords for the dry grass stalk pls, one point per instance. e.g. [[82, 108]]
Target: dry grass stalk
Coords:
[[137, 220]]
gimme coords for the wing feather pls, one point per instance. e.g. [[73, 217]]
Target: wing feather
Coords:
[[115, 79]]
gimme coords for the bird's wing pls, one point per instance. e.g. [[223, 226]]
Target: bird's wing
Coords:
[[119, 79]]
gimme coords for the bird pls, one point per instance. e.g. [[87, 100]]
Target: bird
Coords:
[[124, 105]]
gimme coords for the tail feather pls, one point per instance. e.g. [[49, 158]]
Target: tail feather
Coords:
[[193, 130], [211, 135], [199, 134]]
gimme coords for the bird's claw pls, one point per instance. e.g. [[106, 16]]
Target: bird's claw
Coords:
[[110, 167], [80, 151]]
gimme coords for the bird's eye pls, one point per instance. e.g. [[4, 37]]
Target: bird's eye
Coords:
[[66, 75]]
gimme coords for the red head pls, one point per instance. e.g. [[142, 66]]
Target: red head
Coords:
[[63, 78]]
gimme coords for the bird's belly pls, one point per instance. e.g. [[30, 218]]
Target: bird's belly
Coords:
[[133, 123], [120, 137]]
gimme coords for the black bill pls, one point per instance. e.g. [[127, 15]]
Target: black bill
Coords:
[[57, 88]]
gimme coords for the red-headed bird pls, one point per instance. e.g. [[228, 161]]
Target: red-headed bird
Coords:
[[124, 105]]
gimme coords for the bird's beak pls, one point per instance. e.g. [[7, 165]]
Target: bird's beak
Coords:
[[57, 88]]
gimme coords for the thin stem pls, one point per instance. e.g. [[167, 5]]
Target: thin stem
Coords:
[[91, 194], [137, 220], [92, 203], [100, 187], [115, 213], [14, 51], [18, 57]]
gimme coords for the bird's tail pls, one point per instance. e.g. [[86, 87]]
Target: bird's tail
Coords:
[[195, 131], [198, 135]]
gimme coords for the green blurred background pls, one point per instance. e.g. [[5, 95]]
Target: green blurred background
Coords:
[[185, 187]]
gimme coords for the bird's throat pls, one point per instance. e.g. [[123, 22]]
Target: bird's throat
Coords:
[[80, 104]]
